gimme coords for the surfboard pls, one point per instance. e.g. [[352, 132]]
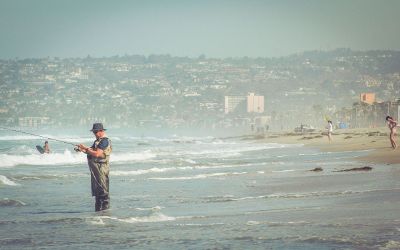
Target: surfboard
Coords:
[[40, 149]]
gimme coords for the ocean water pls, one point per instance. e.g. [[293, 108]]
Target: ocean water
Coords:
[[180, 192]]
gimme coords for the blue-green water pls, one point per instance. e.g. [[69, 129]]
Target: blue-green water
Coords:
[[176, 192]]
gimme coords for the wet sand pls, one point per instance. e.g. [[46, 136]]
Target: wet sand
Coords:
[[374, 140]]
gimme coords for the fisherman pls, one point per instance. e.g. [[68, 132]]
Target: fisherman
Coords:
[[98, 156], [46, 147]]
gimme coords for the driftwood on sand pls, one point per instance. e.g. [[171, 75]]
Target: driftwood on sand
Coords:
[[317, 169], [366, 168]]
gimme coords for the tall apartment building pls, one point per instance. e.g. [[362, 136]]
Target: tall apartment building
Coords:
[[232, 102], [255, 104], [250, 103]]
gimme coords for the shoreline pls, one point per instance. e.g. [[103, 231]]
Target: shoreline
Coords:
[[375, 140]]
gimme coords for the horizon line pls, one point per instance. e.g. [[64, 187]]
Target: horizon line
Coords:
[[199, 56]]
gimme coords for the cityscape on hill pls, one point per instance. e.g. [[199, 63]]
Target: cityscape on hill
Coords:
[[163, 91]]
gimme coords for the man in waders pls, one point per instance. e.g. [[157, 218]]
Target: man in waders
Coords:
[[98, 156]]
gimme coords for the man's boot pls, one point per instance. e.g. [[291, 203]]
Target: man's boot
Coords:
[[97, 206], [105, 202]]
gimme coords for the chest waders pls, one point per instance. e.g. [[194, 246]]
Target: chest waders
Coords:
[[99, 170]]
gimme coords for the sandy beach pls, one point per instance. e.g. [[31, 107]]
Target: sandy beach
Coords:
[[373, 140]]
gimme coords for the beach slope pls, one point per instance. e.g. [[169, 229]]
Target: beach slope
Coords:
[[374, 140]]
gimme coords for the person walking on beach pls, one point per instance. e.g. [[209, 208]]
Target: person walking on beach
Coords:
[[330, 130], [392, 124], [98, 156]]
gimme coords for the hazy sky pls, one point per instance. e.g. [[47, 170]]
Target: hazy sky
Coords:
[[268, 28]]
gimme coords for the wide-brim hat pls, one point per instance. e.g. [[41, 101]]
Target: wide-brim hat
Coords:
[[97, 127]]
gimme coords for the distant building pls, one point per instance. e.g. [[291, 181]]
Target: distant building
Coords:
[[255, 104], [368, 98], [398, 112], [250, 104], [232, 103], [33, 122]]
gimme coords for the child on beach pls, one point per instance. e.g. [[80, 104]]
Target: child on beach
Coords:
[[330, 130], [392, 124]]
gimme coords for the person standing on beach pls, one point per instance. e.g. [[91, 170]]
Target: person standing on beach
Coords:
[[98, 156], [392, 124], [330, 130]]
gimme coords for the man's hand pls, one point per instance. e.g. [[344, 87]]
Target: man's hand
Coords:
[[82, 148], [76, 148]]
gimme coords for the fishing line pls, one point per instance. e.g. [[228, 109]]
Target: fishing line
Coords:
[[48, 138]]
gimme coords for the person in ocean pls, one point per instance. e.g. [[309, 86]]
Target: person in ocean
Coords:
[[392, 124], [46, 147], [98, 156], [330, 130]]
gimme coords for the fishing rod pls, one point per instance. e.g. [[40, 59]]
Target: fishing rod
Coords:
[[48, 138]]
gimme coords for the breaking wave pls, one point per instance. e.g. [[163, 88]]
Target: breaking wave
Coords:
[[5, 181], [132, 157], [147, 171], [199, 176], [68, 158], [11, 203], [227, 198], [154, 217], [170, 169], [233, 151]]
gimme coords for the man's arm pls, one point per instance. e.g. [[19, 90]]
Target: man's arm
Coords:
[[96, 153]]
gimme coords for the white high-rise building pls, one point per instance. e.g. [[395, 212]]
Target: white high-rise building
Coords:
[[255, 104], [231, 103]]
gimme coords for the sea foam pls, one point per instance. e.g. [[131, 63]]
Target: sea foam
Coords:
[[5, 181], [171, 169], [232, 150], [154, 217], [9, 160], [147, 171], [11, 203], [67, 158], [199, 176]]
